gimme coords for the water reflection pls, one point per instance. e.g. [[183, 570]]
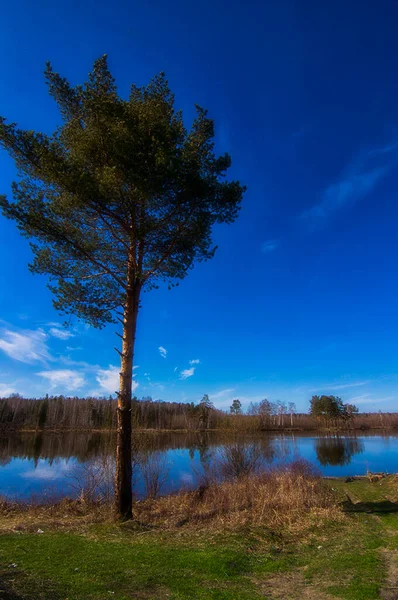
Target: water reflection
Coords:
[[336, 450], [31, 463]]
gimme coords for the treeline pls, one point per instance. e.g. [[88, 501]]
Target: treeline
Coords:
[[63, 413], [73, 413]]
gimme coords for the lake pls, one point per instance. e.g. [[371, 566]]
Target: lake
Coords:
[[40, 465]]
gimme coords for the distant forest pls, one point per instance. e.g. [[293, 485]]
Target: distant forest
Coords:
[[72, 413]]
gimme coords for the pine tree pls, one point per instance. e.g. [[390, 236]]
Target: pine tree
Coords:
[[236, 407], [116, 200]]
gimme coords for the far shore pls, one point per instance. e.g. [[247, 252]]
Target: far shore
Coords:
[[328, 430]]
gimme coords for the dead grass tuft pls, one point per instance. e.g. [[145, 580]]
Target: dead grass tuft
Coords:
[[67, 514], [277, 499]]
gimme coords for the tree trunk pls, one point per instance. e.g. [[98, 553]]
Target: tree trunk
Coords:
[[123, 483]]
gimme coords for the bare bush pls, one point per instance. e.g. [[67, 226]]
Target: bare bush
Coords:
[[239, 459], [154, 472], [302, 467], [93, 481]]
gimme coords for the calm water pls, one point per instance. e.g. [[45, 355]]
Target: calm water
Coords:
[[59, 464]]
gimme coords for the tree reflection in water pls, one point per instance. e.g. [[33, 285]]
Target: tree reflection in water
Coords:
[[48, 456], [336, 450]]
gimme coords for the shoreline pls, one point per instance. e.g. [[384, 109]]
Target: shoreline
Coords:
[[196, 431]]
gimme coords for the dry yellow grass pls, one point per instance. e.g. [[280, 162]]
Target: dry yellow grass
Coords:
[[278, 500]]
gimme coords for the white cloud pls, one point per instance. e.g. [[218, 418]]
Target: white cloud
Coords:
[[6, 390], [61, 334], [270, 246], [163, 351], [65, 379], [221, 394], [187, 373], [26, 346], [109, 379]]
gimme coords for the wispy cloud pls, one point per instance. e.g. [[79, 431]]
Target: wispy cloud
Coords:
[[195, 361], [357, 181], [154, 385], [369, 399], [163, 351], [109, 379], [344, 386], [221, 394], [64, 379], [26, 346], [270, 246], [387, 149], [346, 191], [61, 334], [187, 373]]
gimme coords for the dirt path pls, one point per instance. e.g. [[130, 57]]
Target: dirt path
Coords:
[[291, 586], [390, 589]]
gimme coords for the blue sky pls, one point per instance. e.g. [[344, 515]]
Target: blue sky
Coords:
[[301, 297]]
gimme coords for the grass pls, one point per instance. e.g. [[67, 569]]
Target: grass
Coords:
[[330, 545]]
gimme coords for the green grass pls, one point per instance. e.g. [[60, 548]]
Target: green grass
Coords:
[[345, 559], [148, 566]]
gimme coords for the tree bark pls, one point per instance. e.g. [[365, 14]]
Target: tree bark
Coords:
[[123, 483]]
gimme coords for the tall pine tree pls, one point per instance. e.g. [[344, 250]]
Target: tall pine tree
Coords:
[[118, 198]]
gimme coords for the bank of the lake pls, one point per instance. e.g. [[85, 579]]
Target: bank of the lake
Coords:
[[343, 543], [321, 429]]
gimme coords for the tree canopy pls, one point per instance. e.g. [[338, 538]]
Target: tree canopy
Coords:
[[121, 180], [331, 408], [236, 407]]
